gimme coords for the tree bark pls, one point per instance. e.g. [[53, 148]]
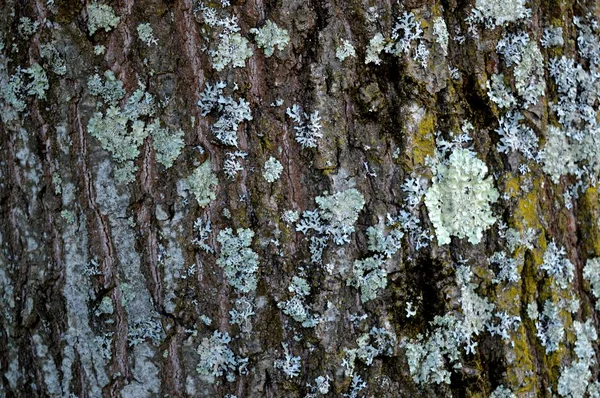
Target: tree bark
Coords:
[[102, 289]]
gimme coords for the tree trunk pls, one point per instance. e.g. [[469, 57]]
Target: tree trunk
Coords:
[[119, 275]]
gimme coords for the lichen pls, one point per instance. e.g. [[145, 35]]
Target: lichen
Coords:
[[110, 88], [375, 47], [146, 34], [232, 49], [345, 50], [459, 198], [217, 359], [101, 16], [499, 12], [591, 273], [270, 36], [121, 131], [39, 81], [238, 260], [54, 58], [272, 170], [340, 212], [27, 27], [231, 112], [440, 32], [166, 142], [202, 183]]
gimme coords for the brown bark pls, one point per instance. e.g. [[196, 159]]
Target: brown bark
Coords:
[[137, 238]]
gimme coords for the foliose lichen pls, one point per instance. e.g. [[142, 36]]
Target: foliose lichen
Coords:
[[202, 183], [459, 198], [270, 36], [272, 170], [238, 260], [101, 16]]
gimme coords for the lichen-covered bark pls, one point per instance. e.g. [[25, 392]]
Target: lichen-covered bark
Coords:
[[103, 291]]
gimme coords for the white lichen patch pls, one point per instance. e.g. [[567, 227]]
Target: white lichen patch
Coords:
[[499, 93], [231, 112], [270, 36], [375, 47], [272, 170], [558, 156], [502, 392], [335, 217], [233, 49], [530, 75], [550, 327], [407, 39], [345, 50], [308, 127], [552, 37], [440, 32], [428, 356], [575, 380], [289, 365], [557, 265], [499, 12], [591, 273], [459, 198]]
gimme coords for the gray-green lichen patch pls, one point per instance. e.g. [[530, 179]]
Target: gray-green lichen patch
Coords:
[[171, 259], [233, 49], [146, 34], [53, 58], [114, 202], [101, 16], [270, 36], [79, 343], [27, 27], [146, 377], [495, 13], [166, 142], [39, 81], [202, 183], [48, 366], [121, 132], [238, 260], [459, 198], [110, 88], [12, 93], [351, 153], [16, 88]]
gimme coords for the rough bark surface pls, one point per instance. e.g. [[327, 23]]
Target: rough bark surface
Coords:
[[72, 237]]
